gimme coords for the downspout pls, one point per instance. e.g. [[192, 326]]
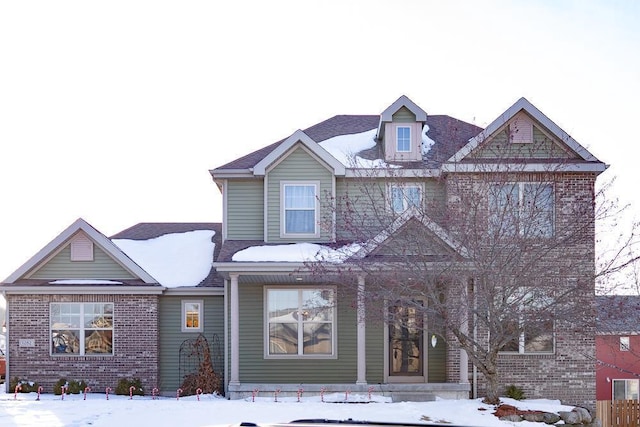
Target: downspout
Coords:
[[6, 338], [475, 337], [226, 338]]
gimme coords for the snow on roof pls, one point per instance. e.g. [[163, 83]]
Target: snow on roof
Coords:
[[427, 142], [345, 148], [84, 282], [296, 252], [174, 260]]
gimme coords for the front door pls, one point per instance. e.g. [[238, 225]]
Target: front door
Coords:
[[406, 343]]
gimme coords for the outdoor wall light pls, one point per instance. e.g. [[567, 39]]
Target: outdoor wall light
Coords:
[[434, 340]]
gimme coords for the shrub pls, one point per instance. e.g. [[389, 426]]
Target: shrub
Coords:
[[73, 386], [124, 384], [26, 386], [514, 392]]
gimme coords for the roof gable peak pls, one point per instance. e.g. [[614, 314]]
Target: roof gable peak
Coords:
[[523, 104], [299, 136], [64, 237]]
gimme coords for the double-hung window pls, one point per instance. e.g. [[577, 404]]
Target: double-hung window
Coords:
[[402, 197], [529, 320], [521, 208], [81, 328], [625, 389], [403, 139], [300, 322], [300, 208]]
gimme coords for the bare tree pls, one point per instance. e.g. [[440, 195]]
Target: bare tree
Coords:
[[494, 260]]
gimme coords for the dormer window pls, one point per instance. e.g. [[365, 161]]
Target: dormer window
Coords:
[[403, 139], [81, 248]]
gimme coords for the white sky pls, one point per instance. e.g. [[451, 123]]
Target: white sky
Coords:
[[115, 111], [96, 411]]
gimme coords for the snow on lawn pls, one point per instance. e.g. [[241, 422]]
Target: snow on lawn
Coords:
[[96, 411]]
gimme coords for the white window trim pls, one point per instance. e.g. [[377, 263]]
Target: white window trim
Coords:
[[184, 327], [626, 386], [625, 344], [397, 128], [405, 206], [81, 332], [283, 230], [521, 185], [300, 355]]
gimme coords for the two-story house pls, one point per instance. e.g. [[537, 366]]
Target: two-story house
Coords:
[[333, 241], [338, 194]]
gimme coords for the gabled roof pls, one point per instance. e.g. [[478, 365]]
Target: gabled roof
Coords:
[[98, 238], [304, 139], [523, 105], [403, 101], [407, 216], [448, 133]]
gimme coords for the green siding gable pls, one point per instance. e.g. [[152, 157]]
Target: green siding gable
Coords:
[[542, 147], [245, 209], [299, 165], [61, 267], [403, 115]]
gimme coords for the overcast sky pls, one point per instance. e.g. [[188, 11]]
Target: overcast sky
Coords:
[[114, 111]]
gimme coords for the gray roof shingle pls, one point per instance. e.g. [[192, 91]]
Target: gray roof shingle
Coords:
[[449, 135]]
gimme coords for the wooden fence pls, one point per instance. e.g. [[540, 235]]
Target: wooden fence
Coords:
[[618, 413]]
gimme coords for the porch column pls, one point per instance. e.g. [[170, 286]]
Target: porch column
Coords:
[[362, 348], [235, 331]]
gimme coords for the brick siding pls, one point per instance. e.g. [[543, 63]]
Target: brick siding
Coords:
[[135, 343]]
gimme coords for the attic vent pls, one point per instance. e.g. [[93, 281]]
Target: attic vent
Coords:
[[521, 130], [81, 248]]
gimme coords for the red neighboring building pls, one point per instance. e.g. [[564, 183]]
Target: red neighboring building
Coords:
[[618, 348]]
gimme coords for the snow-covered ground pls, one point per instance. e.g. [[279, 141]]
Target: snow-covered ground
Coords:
[[96, 410]]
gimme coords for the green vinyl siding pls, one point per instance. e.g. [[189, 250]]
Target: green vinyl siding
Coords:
[[245, 209], [436, 360], [171, 336], [61, 267], [369, 209], [299, 165], [542, 147], [254, 367], [403, 115]]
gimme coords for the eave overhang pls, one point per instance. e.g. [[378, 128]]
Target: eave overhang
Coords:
[[84, 290], [523, 167]]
